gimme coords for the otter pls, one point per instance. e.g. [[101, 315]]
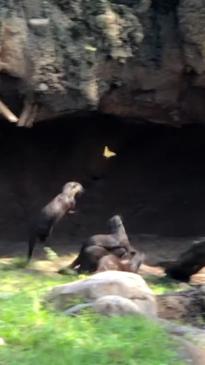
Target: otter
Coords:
[[112, 262], [99, 245], [64, 203], [188, 263]]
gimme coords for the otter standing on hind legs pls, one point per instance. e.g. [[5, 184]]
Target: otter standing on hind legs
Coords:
[[63, 203], [99, 245]]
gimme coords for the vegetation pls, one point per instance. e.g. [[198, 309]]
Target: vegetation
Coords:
[[33, 335], [161, 285]]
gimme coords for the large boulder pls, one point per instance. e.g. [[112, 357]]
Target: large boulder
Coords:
[[117, 305], [111, 292]]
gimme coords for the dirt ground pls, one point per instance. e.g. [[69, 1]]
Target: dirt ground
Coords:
[[156, 249]]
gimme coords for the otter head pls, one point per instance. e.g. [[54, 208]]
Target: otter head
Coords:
[[115, 223], [73, 188]]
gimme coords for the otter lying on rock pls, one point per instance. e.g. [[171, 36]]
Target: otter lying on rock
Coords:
[[100, 245], [63, 203]]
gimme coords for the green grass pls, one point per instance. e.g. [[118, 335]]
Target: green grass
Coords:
[[36, 336], [161, 285]]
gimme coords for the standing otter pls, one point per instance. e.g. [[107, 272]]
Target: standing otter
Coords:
[[63, 203], [99, 245]]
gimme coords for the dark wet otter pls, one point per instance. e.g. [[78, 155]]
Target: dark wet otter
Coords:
[[97, 246], [63, 203], [188, 263], [112, 262]]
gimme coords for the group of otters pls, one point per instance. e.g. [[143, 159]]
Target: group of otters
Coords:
[[100, 252]]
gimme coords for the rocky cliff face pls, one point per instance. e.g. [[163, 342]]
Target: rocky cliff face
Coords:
[[140, 59]]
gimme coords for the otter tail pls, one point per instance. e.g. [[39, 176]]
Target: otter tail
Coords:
[[76, 262], [31, 245]]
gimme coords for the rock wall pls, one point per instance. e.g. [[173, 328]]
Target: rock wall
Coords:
[[139, 59]]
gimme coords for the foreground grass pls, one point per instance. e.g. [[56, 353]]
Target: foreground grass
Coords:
[[35, 336]]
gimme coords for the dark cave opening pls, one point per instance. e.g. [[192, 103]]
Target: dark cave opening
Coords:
[[12, 92], [156, 181], [164, 7]]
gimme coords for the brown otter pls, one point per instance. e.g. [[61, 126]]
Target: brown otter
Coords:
[[112, 262], [99, 245], [63, 203]]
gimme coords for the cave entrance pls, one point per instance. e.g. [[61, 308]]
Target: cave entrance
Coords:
[[155, 178]]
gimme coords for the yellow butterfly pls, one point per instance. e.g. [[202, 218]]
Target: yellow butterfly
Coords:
[[107, 153]]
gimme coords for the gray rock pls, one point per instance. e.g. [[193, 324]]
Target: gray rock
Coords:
[[107, 292], [117, 305], [39, 25], [193, 334], [108, 305]]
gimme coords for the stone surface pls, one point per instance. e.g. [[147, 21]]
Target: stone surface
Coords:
[[108, 291], [117, 305], [190, 341], [186, 306], [189, 333], [111, 305], [143, 59]]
